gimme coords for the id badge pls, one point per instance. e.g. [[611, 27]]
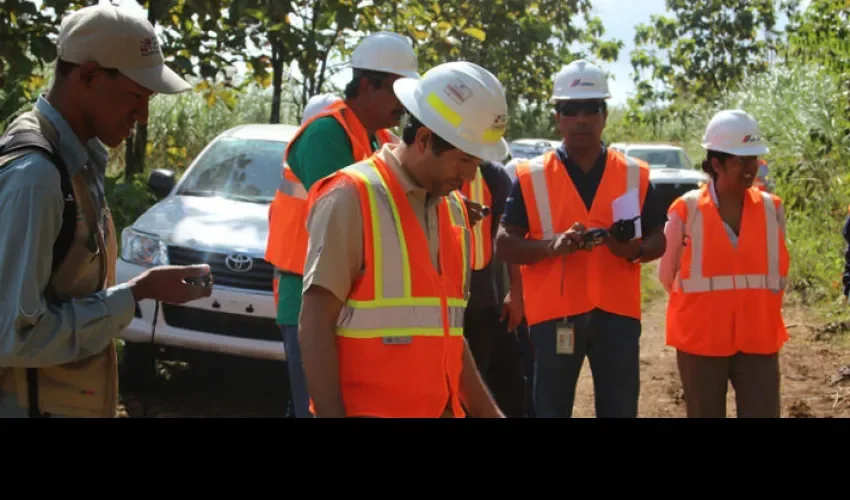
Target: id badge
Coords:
[[566, 339]]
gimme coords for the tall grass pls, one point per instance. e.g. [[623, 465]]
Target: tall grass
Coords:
[[180, 126]]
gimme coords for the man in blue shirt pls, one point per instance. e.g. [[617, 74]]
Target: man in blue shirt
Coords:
[[610, 339]]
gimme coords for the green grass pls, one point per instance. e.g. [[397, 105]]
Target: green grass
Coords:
[[651, 289]]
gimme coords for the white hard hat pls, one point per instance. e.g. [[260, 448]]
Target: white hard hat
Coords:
[[463, 103], [580, 80], [388, 53], [735, 132], [316, 104]]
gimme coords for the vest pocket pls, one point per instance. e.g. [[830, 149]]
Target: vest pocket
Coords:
[[84, 388]]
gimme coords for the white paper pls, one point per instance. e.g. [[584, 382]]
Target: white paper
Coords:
[[627, 207]]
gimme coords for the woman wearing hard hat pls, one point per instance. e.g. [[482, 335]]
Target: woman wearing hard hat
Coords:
[[725, 271]]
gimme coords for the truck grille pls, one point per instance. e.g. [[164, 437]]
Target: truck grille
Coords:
[[220, 323], [259, 278]]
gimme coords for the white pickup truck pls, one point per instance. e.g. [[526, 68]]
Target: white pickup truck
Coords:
[[217, 213]]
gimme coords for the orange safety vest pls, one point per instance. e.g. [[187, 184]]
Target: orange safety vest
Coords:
[[482, 249], [400, 334], [726, 299], [286, 246], [559, 287]]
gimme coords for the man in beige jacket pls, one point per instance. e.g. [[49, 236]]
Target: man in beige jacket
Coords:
[[60, 309]]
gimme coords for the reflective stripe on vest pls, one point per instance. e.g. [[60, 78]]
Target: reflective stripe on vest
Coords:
[[479, 192], [698, 283], [290, 185], [459, 219], [286, 246], [394, 312], [541, 190], [554, 204]]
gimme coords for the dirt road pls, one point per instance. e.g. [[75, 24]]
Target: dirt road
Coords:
[[812, 384]]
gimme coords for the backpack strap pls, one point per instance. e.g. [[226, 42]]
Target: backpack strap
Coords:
[[28, 140], [18, 142]]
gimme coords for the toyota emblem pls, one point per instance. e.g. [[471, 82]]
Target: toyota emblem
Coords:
[[239, 263]]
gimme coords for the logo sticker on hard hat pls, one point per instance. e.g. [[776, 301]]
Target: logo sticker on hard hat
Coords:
[[497, 129], [751, 138], [578, 83], [458, 91]]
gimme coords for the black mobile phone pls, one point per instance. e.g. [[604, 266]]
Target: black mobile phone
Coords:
[[593, 237]]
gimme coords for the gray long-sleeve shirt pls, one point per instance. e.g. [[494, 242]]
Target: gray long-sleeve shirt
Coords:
[[34, 333]]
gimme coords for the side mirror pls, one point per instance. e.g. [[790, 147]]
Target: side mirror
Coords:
[[161, 182]]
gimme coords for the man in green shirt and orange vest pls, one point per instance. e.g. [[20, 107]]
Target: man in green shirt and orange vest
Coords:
[[344, 133]]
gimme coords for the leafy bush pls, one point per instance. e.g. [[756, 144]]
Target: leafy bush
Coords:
[[127, 200]]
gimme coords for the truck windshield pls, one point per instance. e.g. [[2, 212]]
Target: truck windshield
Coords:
[[239, 169], [661, 158]]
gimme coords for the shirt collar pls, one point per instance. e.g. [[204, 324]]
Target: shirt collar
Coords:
[[407, 182], [73, 153], [561, 150], [409, 185]]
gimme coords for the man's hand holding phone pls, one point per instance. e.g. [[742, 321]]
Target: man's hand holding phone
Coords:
[[567, 242], [173, 284]]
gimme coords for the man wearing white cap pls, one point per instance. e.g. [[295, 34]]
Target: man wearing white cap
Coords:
[[344, 132], [387, 274], [61, 308]]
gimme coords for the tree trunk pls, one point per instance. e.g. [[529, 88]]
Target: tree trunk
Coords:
[[277, 82], [136, 145]]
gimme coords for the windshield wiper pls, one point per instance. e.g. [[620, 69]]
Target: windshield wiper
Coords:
[[198, 192], [249, 199], [223, 194]]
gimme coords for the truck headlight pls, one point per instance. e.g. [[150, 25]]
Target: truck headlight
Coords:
[[143, 249]]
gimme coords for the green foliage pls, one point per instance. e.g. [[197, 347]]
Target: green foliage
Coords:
[[127, 200], [180, 126], [523, 43], [708, 46], [26, 46]]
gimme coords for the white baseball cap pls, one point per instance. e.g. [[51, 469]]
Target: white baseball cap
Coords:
[[115, 38]]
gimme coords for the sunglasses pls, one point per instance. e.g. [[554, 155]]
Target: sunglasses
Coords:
[[574, 108]]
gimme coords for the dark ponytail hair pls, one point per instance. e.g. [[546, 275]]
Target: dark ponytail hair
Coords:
[[706, 164]]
